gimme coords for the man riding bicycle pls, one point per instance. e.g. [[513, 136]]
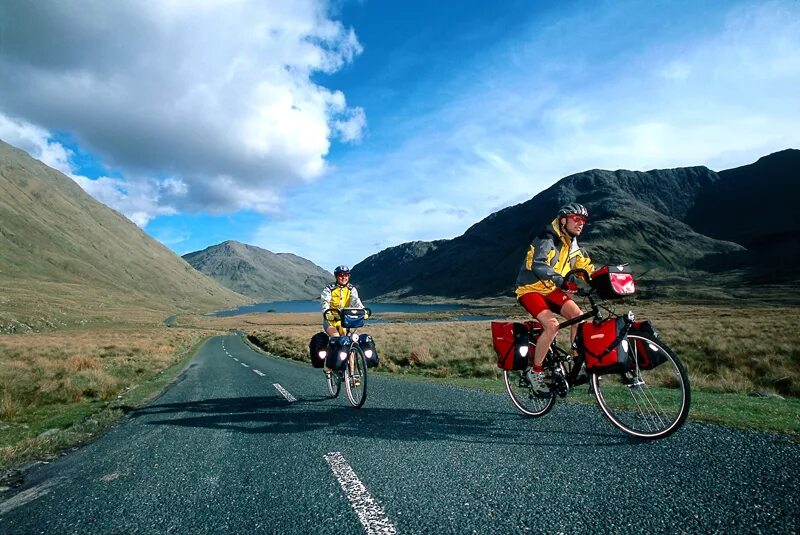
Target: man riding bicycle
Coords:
[[541, 288], [338, 295]]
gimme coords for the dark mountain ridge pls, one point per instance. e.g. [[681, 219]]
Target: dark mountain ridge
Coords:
[[649, 219]]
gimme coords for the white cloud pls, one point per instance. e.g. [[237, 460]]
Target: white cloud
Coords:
[[722, 97], [216, 96], [35, 141]]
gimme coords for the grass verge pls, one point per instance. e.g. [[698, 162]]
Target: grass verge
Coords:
[[47, 411]]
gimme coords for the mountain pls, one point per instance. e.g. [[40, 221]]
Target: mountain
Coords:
[[65, 257], [670, 224], [259, 273], [754, 205]]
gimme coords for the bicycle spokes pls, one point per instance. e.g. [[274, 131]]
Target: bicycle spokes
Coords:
[[646, 403]]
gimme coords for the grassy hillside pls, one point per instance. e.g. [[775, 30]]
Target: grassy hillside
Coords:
[[66, 258]]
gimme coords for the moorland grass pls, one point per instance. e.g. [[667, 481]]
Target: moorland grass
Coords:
[[61, 388]]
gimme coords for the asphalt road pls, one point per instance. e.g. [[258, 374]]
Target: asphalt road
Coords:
[[245, 443]]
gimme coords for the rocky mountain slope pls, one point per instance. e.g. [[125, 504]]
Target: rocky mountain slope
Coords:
[[64, 257], [670, 224], [260, 273]]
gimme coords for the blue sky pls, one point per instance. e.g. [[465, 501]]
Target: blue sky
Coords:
[[333, 130]]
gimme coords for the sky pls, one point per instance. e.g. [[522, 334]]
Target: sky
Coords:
[[333, 129]]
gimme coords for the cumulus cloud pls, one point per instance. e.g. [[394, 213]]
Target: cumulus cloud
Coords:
[[199, 105], [35, 141]]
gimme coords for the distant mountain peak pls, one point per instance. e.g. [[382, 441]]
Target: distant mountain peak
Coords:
[[259, 273]]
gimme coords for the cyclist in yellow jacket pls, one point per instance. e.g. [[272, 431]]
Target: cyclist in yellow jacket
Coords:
[[340, 294], [541, 288]]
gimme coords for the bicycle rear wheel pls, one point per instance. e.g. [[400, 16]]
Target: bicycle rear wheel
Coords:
[[334, 382], [522, 396], [355, 381], [646, 404]]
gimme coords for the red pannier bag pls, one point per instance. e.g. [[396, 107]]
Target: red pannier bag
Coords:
[[613, 282], [647, 355], [604, 345], [508, 337]]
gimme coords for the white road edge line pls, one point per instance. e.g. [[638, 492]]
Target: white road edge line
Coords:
[[27, 496], [284, 392], [258, 372], [367, 508]]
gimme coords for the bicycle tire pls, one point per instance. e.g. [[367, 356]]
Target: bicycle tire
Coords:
[[646, 404], [522, 396], [357, 395], [334, 382]]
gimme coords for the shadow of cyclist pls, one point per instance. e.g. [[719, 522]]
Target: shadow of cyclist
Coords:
[[262, 414]]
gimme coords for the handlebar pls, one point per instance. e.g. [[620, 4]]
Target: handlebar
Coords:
[[335, 314], [575, 275]]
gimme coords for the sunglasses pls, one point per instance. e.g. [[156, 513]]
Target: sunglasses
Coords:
[[578, 218], [343, 275]]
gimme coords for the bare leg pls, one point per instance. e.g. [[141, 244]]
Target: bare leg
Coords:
[[571, 310], [549, 330]]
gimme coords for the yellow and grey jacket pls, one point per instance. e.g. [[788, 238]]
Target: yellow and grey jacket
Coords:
[[550, 256], [339, 297]]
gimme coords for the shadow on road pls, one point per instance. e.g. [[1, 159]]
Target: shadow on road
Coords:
[[274, 415]]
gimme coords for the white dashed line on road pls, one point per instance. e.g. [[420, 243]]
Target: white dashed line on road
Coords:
[[284, 392], [259, 373], [243, 364], [369, 511]]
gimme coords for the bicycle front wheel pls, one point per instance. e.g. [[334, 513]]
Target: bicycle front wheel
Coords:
[[646, 404], [334, 382], [355, 377], [522, 396]]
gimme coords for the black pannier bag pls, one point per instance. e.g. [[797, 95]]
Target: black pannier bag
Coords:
[[508, 338], [604, 345], [647, 355], [317, 345], [332, 359], [613, 282], [367, 345]]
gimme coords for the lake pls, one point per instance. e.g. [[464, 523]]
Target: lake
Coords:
[[315, 306]]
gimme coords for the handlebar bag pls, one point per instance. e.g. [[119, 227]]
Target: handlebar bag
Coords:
[[353, 318], [507, 339], [367, 344], [648, 355], [613, 282], [317, 349], [604, 345]]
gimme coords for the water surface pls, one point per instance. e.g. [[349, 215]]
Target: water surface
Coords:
[[315, 306]]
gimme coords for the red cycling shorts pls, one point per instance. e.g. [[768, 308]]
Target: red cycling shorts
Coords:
[[536, 302]]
